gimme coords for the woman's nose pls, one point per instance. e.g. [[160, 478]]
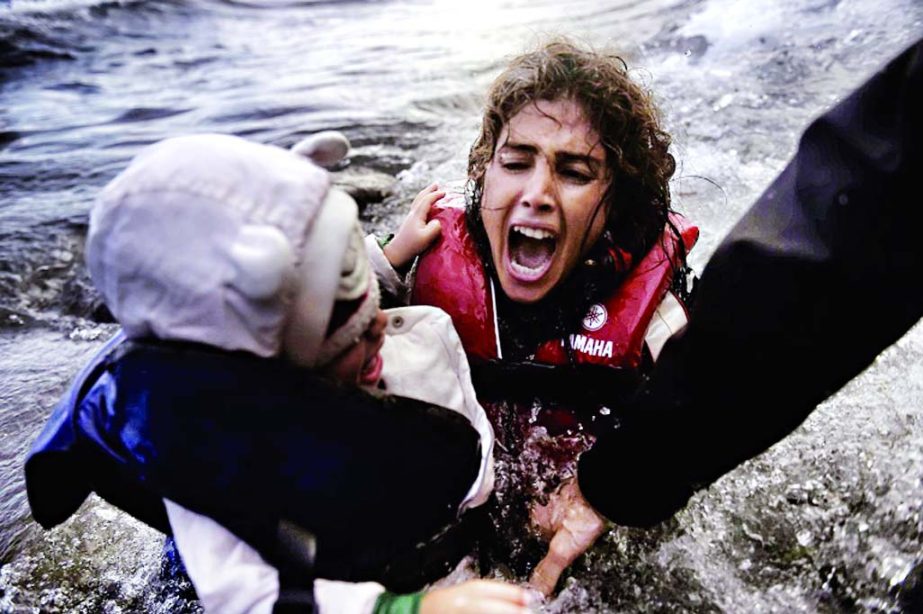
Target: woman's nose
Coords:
[[539, 191]]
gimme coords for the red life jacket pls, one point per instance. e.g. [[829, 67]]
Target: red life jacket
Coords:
[[450, 275]]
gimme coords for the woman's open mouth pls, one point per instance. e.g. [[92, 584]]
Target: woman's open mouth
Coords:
[[530, 252]]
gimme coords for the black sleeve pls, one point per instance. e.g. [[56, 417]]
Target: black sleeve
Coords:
[[815, 280]]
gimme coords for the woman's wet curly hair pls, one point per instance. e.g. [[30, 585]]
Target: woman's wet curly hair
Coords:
[[623, 114]]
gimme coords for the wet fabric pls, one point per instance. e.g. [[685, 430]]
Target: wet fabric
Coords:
[[162, 276], [814, 281], [230, 576], [204, 428]]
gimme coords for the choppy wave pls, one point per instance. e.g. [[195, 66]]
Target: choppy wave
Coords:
[[34, 31], [828, 520], [46, 281], [22, 45]]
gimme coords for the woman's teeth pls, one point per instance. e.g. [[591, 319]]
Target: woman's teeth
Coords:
[[522, 269], [534, 233], [531, 251]]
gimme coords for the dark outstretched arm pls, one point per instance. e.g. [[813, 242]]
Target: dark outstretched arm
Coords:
[[815, 280]]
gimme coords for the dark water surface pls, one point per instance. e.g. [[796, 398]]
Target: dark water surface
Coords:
[[828, 520]]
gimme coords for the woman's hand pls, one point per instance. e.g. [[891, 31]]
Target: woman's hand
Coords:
[[477, 596], [415, 233], [572, 525]]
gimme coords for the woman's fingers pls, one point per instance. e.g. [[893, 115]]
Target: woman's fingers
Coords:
[[574, 526], [545, 518], [562, 551], [575, 537]]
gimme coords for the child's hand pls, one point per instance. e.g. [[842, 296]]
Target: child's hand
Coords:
[[572, 525], [415, 233], [477, 596]]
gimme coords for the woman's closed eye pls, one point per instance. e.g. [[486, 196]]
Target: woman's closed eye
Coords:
[[516, 163], [577, 174]]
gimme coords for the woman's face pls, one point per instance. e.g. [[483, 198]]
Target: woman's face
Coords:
[[543, 189]]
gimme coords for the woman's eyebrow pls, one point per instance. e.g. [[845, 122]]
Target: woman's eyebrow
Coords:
[[562, 156], [519, 147]]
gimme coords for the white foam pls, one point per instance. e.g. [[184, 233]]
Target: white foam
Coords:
[[730, 25]]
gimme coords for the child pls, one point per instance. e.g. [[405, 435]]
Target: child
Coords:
[[244, 248]]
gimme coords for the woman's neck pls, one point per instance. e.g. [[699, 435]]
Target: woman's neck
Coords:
[[525, 326]]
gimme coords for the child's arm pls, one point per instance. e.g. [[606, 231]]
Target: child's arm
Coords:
[[392, 260], [230, 577], [415, 233]]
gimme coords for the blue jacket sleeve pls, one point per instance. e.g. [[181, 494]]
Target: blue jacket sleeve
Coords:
[[816, 279]]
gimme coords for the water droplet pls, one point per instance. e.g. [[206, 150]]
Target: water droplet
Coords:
[[805, 538], [605, 411], [106, 513]]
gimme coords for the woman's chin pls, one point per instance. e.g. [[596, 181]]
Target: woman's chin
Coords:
[[524, 292]]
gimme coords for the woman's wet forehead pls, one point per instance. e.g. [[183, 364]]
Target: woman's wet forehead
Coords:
[[554, 141], [559, 128]]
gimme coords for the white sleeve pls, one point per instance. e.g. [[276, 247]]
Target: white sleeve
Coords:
[[424, 359], [230, 577], [472, 409], [668, 319], [346, 597], [388, 278]]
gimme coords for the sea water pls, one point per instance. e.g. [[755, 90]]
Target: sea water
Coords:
[[827, 520]]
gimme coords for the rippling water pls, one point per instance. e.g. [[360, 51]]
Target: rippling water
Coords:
[[829, 519]]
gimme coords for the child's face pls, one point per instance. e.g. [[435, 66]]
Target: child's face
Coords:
[[361, 363]]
